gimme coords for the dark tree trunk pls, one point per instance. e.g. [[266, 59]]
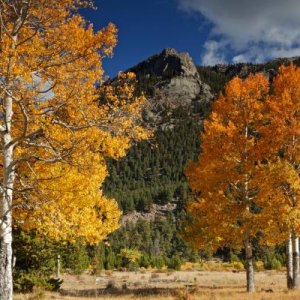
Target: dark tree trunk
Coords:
[[249, 266]]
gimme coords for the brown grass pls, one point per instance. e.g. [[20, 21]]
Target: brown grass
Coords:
[[225, 294], [184, 285]]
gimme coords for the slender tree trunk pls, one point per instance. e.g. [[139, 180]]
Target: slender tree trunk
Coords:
[[295, 246], [298, 251], [249, 266], [247, 242], [289, 263], [6, 282]]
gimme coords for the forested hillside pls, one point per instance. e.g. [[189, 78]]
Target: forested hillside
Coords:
[[217, 76], [152, 173]]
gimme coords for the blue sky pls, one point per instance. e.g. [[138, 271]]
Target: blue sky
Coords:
[[145, 28], [212, 31]]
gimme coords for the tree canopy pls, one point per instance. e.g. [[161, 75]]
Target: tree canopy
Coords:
[[55, 131]]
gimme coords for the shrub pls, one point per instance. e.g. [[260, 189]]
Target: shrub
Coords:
[[272, 263], [145, 261], [75, 257], [133, 266], [27, 281], [35, 261], [110, 260], [259, 265], [234, 257], [111, 285], [157, 262], [129, 257], [238, 265], [175, 263]]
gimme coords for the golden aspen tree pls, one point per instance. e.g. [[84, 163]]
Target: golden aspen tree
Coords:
[[55, 133], [281, 210], [281, 189], [224, 210]]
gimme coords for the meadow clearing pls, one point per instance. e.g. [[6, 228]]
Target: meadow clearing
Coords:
[[167, 285]]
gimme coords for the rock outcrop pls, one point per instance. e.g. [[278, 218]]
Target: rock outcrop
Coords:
[[157, 212], [174, 82]]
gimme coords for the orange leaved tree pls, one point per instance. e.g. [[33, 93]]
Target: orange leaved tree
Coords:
[[280, 190], [281, 210], [224, 210], [55, 133]]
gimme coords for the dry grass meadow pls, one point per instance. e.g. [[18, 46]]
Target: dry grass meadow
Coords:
[[180, 285]]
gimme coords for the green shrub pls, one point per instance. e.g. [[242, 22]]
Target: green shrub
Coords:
[[75, 257], [27, 281], [272, 263], [145, 261], [110, 260], [35, 261], [55, 284], [133, 266], [157, 262], [175, 263], [234, 257]]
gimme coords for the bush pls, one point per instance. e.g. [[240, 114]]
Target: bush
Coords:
[[234, 257], [133, 266], [55, 284], [145, 261], [157, 262], [110, 260], [272, 263], [75, 257], [238, 265], [175, 263], [27, 281], [111, 284], [129, 257], [259, 265], [35, 261]]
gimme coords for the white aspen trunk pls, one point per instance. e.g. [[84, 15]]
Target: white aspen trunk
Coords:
[[289, 263], [249, 266], [295, 246], [6, 282]]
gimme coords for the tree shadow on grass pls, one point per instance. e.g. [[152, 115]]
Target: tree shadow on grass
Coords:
[[141, 292]]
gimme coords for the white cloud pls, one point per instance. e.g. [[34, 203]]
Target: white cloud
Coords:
[[213, 54], [254, 30]]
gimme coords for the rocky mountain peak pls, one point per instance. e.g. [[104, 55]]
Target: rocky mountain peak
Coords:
[[174, 82], [169, 63]]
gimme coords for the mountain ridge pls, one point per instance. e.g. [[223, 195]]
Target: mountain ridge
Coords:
[[165, 78]]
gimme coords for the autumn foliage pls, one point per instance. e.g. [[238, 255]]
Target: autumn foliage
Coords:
[[223, 178], [246, 180], [56, 130], [63, 199]]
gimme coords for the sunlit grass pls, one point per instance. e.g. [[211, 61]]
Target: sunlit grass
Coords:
[[182, 285]]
